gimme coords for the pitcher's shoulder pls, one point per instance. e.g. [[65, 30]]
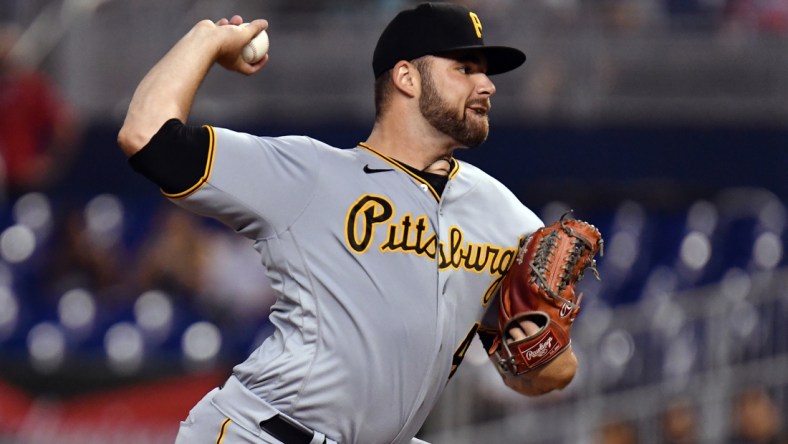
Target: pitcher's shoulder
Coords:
[[474, 177]]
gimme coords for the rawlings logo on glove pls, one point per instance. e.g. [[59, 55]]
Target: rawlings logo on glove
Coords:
[[540, 287]]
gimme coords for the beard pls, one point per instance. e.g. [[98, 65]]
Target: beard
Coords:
[[469, 131]]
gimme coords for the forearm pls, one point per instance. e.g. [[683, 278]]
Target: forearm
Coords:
[[168, 90]]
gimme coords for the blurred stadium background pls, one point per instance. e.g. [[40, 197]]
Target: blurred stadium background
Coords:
[[664, 122]]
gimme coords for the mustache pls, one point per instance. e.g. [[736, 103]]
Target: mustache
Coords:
[[479, 103]]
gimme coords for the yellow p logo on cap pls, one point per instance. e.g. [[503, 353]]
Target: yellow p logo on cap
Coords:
[[477, 24]]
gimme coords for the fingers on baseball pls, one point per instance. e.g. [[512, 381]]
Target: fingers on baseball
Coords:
[[252, 68], [254, 27], [259, 25]]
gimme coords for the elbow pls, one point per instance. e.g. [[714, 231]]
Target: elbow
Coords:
[[131, 141]]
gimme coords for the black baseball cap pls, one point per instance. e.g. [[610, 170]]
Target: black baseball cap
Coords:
[[435, 29]]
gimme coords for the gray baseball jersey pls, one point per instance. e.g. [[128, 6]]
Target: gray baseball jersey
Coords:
[[381, 281]]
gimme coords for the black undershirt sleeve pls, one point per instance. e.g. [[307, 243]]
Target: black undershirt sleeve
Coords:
[[176, 157], [487, 336], [488, 329]]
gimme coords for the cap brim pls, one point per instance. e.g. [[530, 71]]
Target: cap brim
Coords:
[[500, 59]]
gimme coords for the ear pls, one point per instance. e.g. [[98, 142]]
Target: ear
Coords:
[[406, 78]]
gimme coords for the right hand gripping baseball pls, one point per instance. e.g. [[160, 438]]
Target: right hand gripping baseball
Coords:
[[540, 288], [234, 35]]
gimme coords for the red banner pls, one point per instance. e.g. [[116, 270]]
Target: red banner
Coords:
[[143, 413]]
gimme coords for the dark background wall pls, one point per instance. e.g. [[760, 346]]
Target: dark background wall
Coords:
[[588, 166]]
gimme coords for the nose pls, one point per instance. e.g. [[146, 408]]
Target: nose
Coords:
[[485, 86]]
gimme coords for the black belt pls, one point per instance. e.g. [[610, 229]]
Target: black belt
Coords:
[[286, 430]]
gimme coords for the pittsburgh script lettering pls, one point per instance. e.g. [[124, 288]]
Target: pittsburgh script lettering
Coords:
[[411, 234]]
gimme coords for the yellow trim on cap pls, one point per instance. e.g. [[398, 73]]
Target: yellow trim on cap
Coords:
[[477, 24]]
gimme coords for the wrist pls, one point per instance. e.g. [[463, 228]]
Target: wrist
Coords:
[[203, 36]]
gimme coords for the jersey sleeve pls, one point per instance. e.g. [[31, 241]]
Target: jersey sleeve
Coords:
[[176, 158], [255, 185]]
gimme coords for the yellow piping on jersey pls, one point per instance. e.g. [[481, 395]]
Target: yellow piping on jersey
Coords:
[[208, 167], [401, 166], [220, 438]]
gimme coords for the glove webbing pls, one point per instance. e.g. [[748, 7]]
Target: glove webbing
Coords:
[[542, 259]]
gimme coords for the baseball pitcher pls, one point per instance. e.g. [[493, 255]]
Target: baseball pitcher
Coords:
[[385, 257]]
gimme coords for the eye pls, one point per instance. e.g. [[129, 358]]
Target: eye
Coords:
[[464, 69]]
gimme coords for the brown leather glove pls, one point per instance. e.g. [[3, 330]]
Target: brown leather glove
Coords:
[[540, 287]]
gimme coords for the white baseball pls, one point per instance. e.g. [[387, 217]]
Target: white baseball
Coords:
[[254, 51]]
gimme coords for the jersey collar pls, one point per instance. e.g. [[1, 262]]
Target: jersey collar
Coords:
[[408, 170], [403, 167]]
